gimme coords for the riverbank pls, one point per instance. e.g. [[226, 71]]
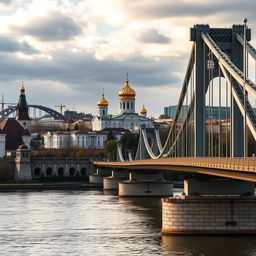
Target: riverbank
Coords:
[[48, 186]]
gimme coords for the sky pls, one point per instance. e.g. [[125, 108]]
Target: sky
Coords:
[[68, 51]]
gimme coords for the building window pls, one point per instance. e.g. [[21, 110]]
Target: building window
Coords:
[[131, 105], [123, 105], [128, 105], [120, 105]]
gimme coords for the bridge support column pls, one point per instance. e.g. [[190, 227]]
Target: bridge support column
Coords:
[[211, 207], [145, 184], [218, 187], [98, 176], [209, 215], [111, 182]]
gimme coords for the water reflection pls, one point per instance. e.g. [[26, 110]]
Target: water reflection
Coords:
[[209, 245], [97, 223]]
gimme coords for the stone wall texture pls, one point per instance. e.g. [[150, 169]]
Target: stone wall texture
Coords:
[[145, 188], [209, 215]]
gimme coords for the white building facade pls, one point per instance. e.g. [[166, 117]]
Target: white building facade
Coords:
[[81, 139]]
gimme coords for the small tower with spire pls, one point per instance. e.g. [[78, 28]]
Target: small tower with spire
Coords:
[[22, 109], [102, 106], [126, 98]]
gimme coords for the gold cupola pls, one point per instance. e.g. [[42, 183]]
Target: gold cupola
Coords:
[[103, 103], [127, 92], [143, 111], [22, 88]]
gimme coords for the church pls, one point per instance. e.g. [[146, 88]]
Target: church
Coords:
[[127, 118]]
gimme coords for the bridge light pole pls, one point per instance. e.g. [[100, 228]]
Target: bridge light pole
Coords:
[[245, 92]]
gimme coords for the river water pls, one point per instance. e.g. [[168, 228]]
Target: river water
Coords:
[[93, 223]]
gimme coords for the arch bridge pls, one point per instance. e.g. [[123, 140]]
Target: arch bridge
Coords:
[[11, 109]]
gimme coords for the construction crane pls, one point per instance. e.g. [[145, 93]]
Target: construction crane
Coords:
[[61, 106]]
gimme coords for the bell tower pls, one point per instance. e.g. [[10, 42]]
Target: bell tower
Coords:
[[22, 109]]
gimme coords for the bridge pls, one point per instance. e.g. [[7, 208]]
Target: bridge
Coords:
[[218, 71], [235, 168], [12, 109]]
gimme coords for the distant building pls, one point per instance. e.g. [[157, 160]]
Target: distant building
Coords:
[[210, 113], [71, 114], [127, 118], [83, 139], [12, 135]]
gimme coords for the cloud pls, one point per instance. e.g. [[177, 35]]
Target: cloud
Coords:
[[54, 26], [79, 69], [10, 45], [152, 36], [6, 2], [165, 8]]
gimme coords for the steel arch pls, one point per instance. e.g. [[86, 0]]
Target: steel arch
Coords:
[[55, 114], [9, 110]]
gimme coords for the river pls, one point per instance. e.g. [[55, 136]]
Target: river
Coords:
[[47, 223]]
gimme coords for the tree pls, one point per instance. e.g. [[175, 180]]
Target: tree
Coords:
[[129, 141], [110, 148], [76, 127], [37, 142], [110, 136]]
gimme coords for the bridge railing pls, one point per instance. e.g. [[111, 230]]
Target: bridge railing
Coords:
[[236, 164]]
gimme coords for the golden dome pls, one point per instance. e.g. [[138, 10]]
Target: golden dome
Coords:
[[143, 111], [22, 88], [127, 91], [102, 103]]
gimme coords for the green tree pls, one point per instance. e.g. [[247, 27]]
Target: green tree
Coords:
[[76, 127], [110, 148], [129, 141], [37, 142], [110, 136]]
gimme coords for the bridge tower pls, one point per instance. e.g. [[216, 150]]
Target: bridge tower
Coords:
[[225, 39]]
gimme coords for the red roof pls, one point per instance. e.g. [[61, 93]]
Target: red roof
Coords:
[[14, 132]]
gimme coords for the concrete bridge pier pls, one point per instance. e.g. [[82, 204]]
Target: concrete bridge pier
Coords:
[[97, 177], [111, 182], [146, 183], [211, 207]]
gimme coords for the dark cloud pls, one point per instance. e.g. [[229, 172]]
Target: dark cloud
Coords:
[[10, 45], [6, 2], [189, 9], [79, 69], [52, 27], [152, 36]]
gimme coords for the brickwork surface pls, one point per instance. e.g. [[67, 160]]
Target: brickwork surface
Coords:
[[143, 188], [212, 214]]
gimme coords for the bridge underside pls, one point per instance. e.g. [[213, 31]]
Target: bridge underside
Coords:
[[235, 168]]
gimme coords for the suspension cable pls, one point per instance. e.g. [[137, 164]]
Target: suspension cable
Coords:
[[219, 140]]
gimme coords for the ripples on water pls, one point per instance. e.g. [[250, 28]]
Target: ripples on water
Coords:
[[93, 223]]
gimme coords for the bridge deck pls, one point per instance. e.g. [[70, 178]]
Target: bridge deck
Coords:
[[236, 168]]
